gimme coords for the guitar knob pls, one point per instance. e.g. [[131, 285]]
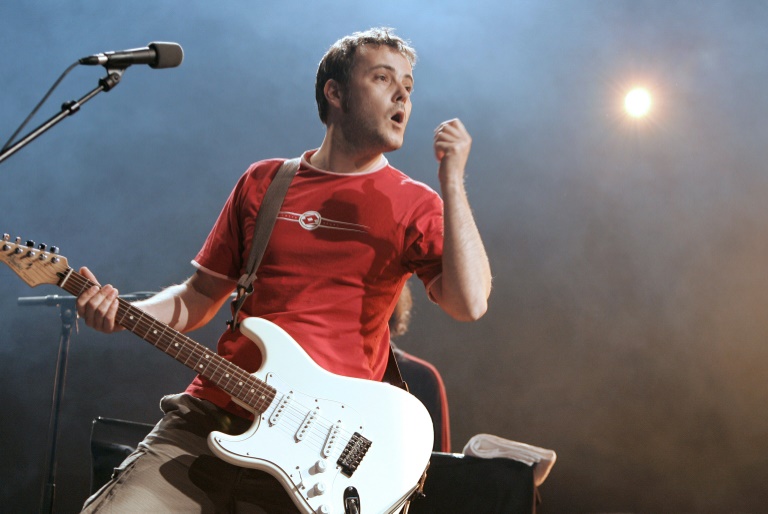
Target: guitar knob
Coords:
[[319, 488], [320, 466], [323, 509], [31, 246]]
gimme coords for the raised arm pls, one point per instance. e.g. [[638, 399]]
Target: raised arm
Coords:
[[465, 285], [184, 306]]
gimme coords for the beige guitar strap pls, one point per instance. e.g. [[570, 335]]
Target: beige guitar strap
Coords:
[[265, 222]]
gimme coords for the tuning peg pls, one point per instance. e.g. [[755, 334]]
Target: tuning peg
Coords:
[[41, 246], [31, 246]]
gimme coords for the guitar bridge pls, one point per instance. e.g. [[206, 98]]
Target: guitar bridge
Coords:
[[353, 454]]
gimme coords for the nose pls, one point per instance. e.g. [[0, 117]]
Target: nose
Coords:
[[401, 93]]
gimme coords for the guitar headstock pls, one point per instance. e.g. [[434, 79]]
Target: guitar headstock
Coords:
[[33, 264]]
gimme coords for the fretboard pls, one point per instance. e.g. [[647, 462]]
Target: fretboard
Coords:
[[241, 385]]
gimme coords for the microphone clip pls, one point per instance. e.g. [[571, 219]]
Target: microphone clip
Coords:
[[114, 74]]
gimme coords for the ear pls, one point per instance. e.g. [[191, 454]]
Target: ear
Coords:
[[333, 93]]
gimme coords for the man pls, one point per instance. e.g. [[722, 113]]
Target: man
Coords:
[[350, 232]]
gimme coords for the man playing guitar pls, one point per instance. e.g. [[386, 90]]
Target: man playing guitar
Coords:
[[350, 232]]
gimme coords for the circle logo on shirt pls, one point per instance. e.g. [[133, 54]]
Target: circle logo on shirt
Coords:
[[310, 220]]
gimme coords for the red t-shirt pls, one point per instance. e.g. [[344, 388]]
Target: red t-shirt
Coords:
[[342, 247]]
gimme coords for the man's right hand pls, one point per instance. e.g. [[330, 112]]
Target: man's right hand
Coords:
[[98, 305]]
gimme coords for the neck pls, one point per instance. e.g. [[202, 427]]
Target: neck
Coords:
[[337, 155]]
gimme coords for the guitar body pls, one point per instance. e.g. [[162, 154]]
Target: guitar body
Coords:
[[329, 440], [330, 409]]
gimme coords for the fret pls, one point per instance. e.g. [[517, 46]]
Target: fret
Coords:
[[213, 373], [237, 390], [122, 312], [225, 382], [65, 278], [203, 362], [153, 334], [225, 377], [175, 347], [129, 321], [264, 399], [252, 393], [163, 339], [142, 326], [189, 356], [219, 374], [156, 332], [70, 281]]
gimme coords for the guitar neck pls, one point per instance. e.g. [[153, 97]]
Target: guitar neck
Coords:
[[249, 390]]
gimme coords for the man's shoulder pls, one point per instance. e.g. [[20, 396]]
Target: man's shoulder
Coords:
[[260, 171], [265, 166], [408, 183]]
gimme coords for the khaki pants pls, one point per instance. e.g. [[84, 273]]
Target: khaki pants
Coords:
[[173, 470]]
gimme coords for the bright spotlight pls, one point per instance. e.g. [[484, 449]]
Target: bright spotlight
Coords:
[[637, 103]]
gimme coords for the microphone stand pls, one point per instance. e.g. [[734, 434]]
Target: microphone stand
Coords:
[[68, 315], [67, 109]]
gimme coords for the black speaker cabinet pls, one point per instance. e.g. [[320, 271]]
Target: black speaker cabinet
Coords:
[[461, 484]]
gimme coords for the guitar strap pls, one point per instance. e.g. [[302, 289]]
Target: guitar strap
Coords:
[[392, 374], [265, 222]]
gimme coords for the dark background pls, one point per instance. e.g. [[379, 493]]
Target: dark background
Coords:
[[627, 327]]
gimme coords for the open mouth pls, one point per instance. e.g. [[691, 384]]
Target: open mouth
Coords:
[[399, 117]]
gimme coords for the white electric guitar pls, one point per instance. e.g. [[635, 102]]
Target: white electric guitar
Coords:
[[336, 444]]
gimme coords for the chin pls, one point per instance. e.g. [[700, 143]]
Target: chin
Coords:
[[394, 144], [392, 148]]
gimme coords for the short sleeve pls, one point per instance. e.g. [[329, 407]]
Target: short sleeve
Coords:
[[222, 253], [424, 239]]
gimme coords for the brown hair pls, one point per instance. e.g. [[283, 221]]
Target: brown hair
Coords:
[[338, 61]]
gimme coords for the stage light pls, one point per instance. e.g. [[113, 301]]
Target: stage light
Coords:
[[637, 103]]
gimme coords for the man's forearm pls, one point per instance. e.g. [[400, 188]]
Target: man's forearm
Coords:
[[466, 281]]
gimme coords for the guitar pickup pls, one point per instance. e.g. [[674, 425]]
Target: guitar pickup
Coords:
[[307, 423], [280, 409], [330, 441]]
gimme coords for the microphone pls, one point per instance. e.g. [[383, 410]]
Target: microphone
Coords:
[[157, 55]]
